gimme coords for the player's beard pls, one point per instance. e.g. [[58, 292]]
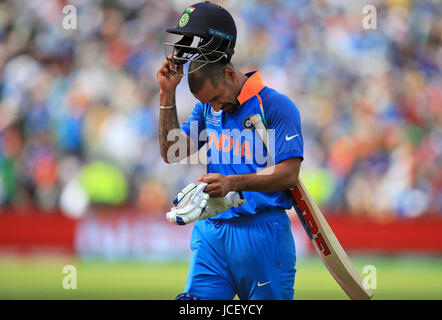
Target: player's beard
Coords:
[[229, 107]]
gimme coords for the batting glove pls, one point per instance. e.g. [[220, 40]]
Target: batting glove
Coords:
[[189, 204], [215, 206], [192, 203]]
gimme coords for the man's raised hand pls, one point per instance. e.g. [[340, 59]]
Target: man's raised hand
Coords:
[[169, 76]]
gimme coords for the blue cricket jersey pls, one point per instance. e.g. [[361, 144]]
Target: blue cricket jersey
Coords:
[[234, 147]]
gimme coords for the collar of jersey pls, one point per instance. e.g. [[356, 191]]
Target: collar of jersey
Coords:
[[251, 87]]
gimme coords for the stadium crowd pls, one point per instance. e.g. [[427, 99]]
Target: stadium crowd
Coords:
[[82, 104]]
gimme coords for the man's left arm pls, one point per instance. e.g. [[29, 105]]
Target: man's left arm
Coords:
[[282, 176]]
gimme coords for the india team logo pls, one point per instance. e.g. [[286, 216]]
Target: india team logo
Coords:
[[184, 20], [247, 123]]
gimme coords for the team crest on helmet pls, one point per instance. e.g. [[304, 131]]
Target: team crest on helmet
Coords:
[[184, 20], [247, 123]]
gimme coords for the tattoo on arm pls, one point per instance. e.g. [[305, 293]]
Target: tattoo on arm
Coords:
[[169, 121]]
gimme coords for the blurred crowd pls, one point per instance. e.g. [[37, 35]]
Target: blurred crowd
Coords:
[[79, 107]]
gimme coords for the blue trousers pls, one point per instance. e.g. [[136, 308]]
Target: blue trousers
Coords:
[[252, 257]]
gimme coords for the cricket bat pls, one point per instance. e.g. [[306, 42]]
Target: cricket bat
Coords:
[[321, 235]]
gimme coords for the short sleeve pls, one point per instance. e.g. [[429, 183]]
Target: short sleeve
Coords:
[[195, 124], [283, 117]]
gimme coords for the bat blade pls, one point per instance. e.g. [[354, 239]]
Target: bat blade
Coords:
[[327, 245], [321, 235]]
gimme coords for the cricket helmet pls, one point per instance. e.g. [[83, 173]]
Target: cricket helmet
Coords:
[[209, 35]]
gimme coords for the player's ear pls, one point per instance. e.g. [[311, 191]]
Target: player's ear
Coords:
[[230, 74]]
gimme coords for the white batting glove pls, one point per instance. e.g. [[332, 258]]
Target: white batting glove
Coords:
[[189, 204], [184, 195], [193, 204], [215, 206]]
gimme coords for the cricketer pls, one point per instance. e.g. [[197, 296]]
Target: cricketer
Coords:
[[242, 243]]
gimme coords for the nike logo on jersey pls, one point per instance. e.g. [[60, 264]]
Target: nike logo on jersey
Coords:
[[263, 284], [287, 138]]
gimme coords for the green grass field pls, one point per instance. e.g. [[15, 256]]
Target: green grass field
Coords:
[[41, 278]]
